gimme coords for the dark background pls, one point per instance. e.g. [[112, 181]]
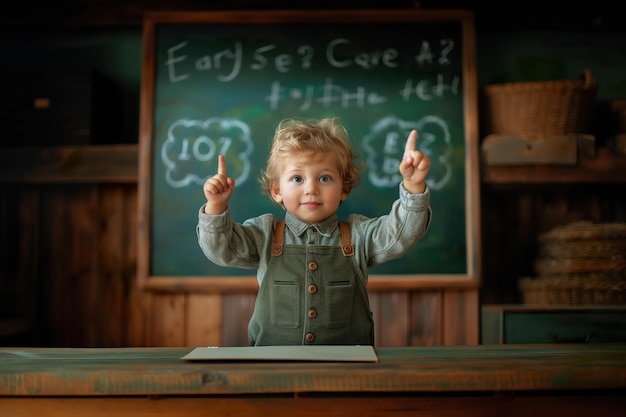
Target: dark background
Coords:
[[491, 15]]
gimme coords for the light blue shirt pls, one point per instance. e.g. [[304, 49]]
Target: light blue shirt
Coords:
[[375, 240]]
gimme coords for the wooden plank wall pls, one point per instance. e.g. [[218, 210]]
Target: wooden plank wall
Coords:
[[77, 244]]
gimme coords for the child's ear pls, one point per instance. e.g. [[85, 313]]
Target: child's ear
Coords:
[[345, 195], [276, 195]]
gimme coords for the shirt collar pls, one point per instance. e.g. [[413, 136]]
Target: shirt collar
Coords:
[[298, 227]]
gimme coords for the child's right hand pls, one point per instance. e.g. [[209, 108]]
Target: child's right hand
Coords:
[[218, 189], [414, 166]]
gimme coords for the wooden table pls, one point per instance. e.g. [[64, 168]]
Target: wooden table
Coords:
[[512, 380]]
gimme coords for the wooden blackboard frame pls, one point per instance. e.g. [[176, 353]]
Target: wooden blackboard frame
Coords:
[[464, 18]]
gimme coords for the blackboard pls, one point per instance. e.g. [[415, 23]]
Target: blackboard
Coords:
[[219, 82]]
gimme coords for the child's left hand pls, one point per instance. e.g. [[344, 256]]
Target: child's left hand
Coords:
[[414, 166]]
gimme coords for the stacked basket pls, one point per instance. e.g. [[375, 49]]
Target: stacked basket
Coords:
[[579, 264], [540, 108]]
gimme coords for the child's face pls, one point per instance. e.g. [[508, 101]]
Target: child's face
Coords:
[[310, 186]]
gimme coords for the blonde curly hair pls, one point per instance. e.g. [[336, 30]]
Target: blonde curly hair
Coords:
[[313, 136]]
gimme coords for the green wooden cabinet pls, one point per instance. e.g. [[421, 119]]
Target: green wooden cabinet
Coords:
[[512, 324]]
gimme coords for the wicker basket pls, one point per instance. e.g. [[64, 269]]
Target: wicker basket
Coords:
[[579, 263], [574, 266], [582, 247], [540, 108], [593, 289], [586, 230]]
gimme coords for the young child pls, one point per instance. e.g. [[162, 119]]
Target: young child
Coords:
[[312, 268]]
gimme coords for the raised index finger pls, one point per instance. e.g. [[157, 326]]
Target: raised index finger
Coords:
[[410, 142], [221, 165]]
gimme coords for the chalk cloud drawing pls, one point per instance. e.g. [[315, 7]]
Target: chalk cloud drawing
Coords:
[[384, 146], [191, 148]]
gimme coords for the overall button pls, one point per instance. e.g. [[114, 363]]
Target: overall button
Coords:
[[277, 250], [309, 337], [312, 289], [313, 266], [312, 313], [313, 229]]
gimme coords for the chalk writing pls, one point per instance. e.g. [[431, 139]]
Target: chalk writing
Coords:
[[384, 146], [364, 59], [427, 56], [330, 93], [427, 90], [191, 141], [326, 95], [228, 62]]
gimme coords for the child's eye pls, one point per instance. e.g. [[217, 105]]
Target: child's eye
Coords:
[[296, 178], [325, 178]]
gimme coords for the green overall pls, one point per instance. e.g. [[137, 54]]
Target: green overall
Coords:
[[312, 294]]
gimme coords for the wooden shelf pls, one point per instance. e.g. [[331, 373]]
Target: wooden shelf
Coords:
[[70, 164], [604, 167]]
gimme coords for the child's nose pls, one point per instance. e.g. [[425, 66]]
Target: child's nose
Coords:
[[311, 188]]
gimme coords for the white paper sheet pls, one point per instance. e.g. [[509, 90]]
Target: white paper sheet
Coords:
[[285, 353]]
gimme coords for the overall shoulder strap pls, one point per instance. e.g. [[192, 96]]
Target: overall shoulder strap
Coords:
[[346, 239], [277, 247]]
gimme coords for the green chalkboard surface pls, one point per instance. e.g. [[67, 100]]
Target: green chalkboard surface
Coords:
[[219, 82]]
